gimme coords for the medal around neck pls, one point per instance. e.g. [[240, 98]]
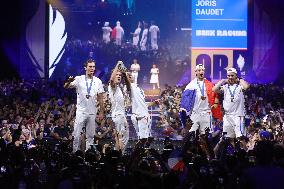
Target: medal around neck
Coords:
[[201, 88], [88, 87], [232, 93]]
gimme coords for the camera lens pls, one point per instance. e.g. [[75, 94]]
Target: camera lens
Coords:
[[3, 169]]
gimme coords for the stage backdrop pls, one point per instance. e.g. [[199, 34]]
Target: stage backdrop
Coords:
[[219, 36], [24, 45]]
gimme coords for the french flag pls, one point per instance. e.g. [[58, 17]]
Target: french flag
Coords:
[[175, 161]]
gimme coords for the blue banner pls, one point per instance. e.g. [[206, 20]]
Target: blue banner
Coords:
[[219, 24]]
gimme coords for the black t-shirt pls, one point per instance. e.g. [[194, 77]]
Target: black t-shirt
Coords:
[[46, 131], [62, 131]]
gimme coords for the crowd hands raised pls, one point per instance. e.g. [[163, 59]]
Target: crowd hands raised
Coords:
[[37, 119]]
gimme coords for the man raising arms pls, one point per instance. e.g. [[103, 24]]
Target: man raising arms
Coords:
[[233, 103]]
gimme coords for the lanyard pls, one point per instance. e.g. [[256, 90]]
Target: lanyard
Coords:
[[232, 93], [201, 89], [89, 88]]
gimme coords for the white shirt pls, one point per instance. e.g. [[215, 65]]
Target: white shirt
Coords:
[[119, 32], [106, 31], [139, 106], [154, 31], [135, 67], [117, 101], [87, 105], [154, 71], [144, 35], [237, 107], [200, 106], [136, 36]]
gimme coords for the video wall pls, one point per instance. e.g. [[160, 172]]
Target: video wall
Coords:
[[219, 36], [76, 33], [219, 24], [216, 33]]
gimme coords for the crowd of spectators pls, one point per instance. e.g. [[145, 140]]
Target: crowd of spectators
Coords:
[[37, 120]]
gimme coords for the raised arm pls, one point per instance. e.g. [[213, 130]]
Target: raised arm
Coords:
[[101, 103], [216, 102], [71, 113], [68, 82], [217, 86], [244, 84], [112, 79]]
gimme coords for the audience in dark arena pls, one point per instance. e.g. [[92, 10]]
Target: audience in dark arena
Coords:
[[37, 119], [37, 114]]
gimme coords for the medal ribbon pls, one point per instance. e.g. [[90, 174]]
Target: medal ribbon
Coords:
[[89, 88], [232, 93], [201, 89]]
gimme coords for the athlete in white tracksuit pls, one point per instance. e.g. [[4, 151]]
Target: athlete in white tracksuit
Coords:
[[154, 30], [201, 115], [119, 33], [106, 32], [140, 116], [233, 103], [135, 68], [117, 98], [144, 38], [136, 35], [89, 90]]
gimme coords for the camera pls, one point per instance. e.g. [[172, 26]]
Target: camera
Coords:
[[251, 159], [93, 147], [14, 126], [120, 169], [224, 136], [3, 169], [56, 147], [24, 145], [203, 170]]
